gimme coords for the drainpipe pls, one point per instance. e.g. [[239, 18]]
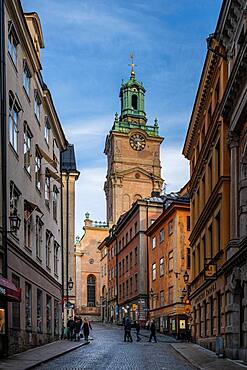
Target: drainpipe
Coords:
[[62, 246], [67, 241], [4, 159], [148, 305]]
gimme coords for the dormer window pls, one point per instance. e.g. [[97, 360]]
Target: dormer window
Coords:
[[12, 42], [134, 101]]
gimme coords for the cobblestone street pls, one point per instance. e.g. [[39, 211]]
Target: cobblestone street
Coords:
[[108, 351]]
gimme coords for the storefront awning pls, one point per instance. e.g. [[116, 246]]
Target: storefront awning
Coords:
[[9, 290]]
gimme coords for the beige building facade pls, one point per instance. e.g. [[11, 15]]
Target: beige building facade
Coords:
[[33, 140]]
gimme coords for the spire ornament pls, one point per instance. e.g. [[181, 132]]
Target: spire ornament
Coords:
[[132, 65]]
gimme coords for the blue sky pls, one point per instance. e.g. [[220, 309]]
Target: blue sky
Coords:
[[86, 55]]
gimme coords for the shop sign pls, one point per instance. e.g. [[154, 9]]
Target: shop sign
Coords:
[[210, 271], [2, 290], [173, 325], [134, 307], [205, 293], [182, 324]]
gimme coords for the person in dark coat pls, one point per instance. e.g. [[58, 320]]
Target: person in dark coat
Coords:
[[138, 328], [78, 323], [86, 326], [127, 330], [71, 328], [152, 332]]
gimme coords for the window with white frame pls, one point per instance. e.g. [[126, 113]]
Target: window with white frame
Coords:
[[37, 105], [56, 258], [154, 271], [26, 77], [47, 131], [38, 158], [48, 248], [12, 42], [13, 121], [162, 269], [27, 148], [55, 202], [39, 237], [47, 187], [170, 261], [153, 242]]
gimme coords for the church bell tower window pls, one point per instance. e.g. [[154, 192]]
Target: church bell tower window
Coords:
[[134, 101]]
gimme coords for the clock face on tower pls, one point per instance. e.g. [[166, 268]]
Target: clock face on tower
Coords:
[[137, 141]]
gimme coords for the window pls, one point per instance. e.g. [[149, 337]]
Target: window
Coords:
[[131, 285], [37, 105], [127, 288], [38, 170], [27, 227], [123, 291], [48, 315], [131, 259], [123, 266], [210, 176], [162, 266], [188, 223], [170, 227], [56, 257], [48, 248], [16, 305], [28, 306], [13, 121], [217, 219], [162, 235], [39, 238], [154, 242], [26, 78], [91, 291], [14, 199], [170, 261], [136, 282], [170, 295], [210, 239], [127, 238], [188, 258], [127, 263], [39, 311], [217, 93], [119, 269], [55, 202], [134, 101], [56, 318], [47, 131], [12, 43], [136, 255], [154, 271], [130, 233], [120, 290], [47, 187], [135, 228], [27, 148], [162, 301]]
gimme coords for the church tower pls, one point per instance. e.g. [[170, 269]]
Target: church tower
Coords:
[[133, 152]]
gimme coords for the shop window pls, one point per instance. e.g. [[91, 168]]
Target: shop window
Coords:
[[27, 148], [28, 306], [48, 315], [2, 321], [16, 317], [39, 311], [91, 291], [56, 318]]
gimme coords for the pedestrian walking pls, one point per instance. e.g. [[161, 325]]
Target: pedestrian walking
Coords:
[[127, 330], [71, 328], [152, 332], [78, 323], [86, 326], [138, 328]]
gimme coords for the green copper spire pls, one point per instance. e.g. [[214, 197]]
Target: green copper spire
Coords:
[[132, 95]]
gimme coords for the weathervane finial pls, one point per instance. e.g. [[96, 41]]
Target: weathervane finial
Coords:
[[132, 65]]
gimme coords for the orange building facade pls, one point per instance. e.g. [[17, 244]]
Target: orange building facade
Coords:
[[169, 260], [127, 261]]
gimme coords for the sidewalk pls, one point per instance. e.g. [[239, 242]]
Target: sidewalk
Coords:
[[36, 356], [203, 359]]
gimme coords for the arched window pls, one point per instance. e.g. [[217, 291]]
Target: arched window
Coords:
[[134, 101], [91, 291]]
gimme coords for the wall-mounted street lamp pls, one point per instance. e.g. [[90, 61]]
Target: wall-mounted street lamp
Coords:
[[70, 284], [15, 222], [186, 277]]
